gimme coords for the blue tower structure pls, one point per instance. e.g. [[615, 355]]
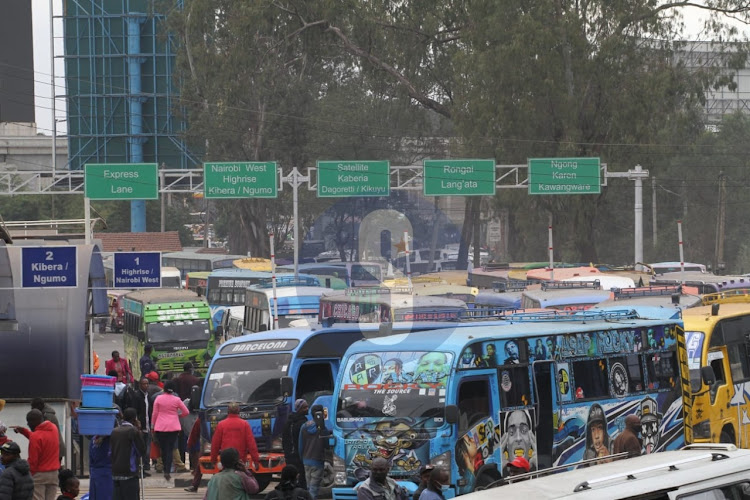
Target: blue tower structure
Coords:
[[121, 92]]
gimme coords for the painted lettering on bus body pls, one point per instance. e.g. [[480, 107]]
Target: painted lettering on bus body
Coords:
[[378, 387], [577, 344], [615, 341]]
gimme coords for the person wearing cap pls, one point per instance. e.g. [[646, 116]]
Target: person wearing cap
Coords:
[[16, 482], [290, 439], [233, 432], [597, 436], [424, 479], [146, 362], [437, 485], [44, 454], [628, 440], [518, 466]]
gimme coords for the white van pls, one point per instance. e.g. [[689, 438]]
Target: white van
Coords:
[[696, 472]]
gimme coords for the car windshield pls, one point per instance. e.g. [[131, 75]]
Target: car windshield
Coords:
[[250, 379], [394, 384], [178, 331], [694, 344]]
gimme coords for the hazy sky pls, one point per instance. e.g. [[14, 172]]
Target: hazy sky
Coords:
[[42, 60]]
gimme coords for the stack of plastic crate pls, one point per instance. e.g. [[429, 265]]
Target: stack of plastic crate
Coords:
[[96, 415]]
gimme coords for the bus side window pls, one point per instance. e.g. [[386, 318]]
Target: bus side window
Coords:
[[590, 377], [473, 403], [313, 380], [663, 372], [514, 387]]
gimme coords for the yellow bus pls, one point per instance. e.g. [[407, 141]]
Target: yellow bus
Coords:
[[717, 342]]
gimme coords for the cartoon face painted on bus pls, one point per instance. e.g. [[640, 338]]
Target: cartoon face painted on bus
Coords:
[[518, 439], [432, 368], [650, 420], [395, 441]]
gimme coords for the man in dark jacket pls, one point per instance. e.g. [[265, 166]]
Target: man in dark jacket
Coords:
[[186, 380], [15, 482], [288, 487], [147, 362], [290, 439], [313, 441], [138, 398], [126, 443], [628, 440]]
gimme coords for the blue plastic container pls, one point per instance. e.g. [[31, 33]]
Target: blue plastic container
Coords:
[[93, 422], [97, 396]]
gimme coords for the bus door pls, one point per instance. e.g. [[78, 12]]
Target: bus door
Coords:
[[546, 380], [477, 453], [314, 379]]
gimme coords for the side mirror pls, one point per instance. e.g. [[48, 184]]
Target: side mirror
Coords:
[[708, 375], [287, 386], [195, 397], [451, 414]]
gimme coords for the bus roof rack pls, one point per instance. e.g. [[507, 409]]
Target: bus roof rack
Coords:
[[510, 285], [727, 297], [646, 291], [588, 315], [668, 466], [572, 285], [365, 291], [490, 266]]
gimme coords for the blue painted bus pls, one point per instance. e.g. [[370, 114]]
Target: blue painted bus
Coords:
[[295, 300], [267, 371], [226, 290], [554, 387]]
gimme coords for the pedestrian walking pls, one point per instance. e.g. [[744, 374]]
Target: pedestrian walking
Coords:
[[127, 446], [138, 398], [234, 482], [379, 486], [100, 468], [233, 432], [70, 485], [50, 415], [438, 483], [146, 362], [424, 479], [313, 442], [185, 381], [121, 366], [288, 487], [627, 440], [290, 438], [15, 482], [44, 454], [194, 449], [165, 424]]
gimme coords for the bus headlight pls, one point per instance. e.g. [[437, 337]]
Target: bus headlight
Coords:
[[702, 430], [442, 460], [339, 471]]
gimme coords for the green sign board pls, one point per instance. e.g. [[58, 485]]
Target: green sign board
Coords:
[[121, 181], [353, 178], [240, 180], [459, 177], [564, 176]]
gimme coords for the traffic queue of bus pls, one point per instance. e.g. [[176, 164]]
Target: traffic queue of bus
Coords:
[[428, 371]]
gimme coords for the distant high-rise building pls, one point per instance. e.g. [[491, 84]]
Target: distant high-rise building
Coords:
[[16, 62]]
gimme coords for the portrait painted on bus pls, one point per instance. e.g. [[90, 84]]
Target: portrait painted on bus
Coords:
[[651, 420], [539, 349], [513, 352], [598, 442], [517, 437], [472, 449], [432, 369], [471, 357]]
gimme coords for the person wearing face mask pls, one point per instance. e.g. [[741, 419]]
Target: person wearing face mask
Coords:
[[628, 440], [439, 483], [379, 486]]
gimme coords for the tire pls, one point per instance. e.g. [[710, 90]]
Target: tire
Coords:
[[263, 481]]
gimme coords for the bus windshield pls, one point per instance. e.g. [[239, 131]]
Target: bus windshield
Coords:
[[246, 379], [365, 272], [694, 344], [394, 385], [178, 331]]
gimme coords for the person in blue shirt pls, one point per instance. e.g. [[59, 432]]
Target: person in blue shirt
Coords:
[[438, 484]]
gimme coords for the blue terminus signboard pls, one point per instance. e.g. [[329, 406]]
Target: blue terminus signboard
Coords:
[[137, 270], [49, 267]]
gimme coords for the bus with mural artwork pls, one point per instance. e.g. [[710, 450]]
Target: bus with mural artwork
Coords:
[[554, 388], [717, 346]]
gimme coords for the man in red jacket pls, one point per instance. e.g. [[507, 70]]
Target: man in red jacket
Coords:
[[44, 454], [233, 432]]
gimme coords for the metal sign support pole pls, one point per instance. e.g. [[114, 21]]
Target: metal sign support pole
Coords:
[[295, 179]]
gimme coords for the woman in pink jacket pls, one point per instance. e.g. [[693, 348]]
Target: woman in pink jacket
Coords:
[[165, 423]]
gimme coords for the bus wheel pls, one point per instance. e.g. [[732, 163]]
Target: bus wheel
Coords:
[[727, 436], [263, 481], [486, 475]]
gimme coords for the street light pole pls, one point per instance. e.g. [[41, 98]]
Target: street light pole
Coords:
[[637, 175]]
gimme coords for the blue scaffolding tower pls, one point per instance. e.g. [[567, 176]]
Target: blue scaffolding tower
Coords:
[[121, 92]]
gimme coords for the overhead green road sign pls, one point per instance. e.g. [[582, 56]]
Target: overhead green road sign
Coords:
[[121, 181], [564, 176], [240, 180], [353, 178], [459, 177]]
